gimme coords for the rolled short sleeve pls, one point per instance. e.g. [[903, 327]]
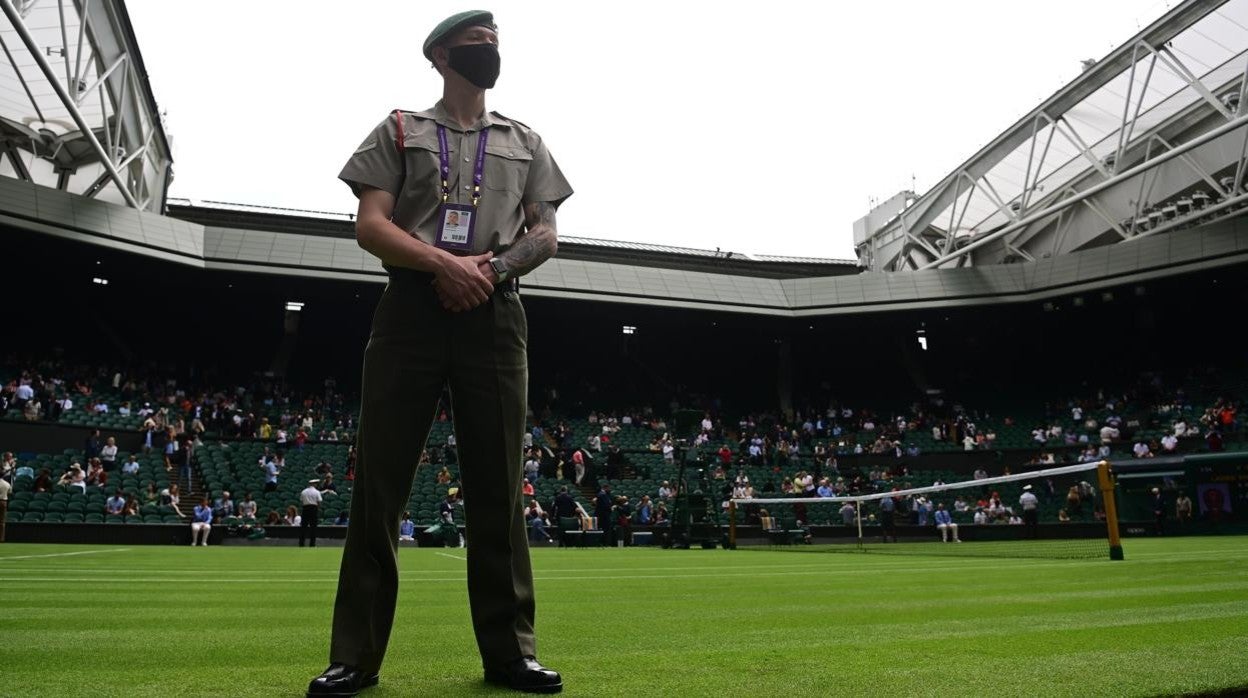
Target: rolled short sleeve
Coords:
[[545, 181], [376, 162]]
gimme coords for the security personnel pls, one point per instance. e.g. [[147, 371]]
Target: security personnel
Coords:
[[1031, 511], [457, 202], [311, 499]]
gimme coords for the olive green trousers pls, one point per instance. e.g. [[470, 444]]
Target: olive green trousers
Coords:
[[416, 348]]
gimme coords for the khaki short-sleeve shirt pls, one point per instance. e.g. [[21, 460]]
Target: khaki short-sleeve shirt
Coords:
[[518, 170]]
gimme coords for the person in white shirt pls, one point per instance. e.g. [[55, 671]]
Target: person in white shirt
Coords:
[[1109, 434], [1170, 443], [1031, 511], [108, 454], [310, 498], [706, 423], [980, 517], [1141, 450], [5, 488]]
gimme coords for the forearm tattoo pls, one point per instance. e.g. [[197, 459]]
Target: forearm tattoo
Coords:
[[538, 244]]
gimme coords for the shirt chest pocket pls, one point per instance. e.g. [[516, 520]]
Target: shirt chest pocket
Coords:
[[507, 168], [421, 161]]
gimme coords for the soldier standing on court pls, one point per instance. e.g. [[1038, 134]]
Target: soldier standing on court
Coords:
[[457, 202]]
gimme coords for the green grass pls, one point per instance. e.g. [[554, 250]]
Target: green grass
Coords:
[[162, 621]]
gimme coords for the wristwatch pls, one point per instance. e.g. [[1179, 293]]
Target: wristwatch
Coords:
[[500, 268]]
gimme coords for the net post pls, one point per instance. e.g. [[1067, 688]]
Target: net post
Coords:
[[1106, 482], [732, 523]]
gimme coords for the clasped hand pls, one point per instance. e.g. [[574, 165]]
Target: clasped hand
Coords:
[[463, 283]]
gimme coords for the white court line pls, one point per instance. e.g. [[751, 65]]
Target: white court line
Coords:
[[419, 580], [453, 557], [81, 552]]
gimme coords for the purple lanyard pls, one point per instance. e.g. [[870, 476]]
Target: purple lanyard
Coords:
[[478, 169]]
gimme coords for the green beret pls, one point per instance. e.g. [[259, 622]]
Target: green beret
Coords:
[[454, 23]]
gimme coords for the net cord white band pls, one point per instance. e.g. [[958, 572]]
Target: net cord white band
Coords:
[[1030, 475]]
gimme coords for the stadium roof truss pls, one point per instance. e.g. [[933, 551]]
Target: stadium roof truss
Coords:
[[76, 110], [1148, 140]]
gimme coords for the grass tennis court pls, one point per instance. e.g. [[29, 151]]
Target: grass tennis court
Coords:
[[163, 621]]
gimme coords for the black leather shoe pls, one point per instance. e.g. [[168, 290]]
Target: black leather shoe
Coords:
[[525, 674], [341, 680]]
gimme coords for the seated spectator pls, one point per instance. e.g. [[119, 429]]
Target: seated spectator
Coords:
[[116, 504], [945, 524], [247, 508], [74, 477], [533, 509], [96, 475], [538, 524], [1141, 450], [1169, 443], [292, 517], [527, 488], [273, 518], [131, 466], [444, 476], [327, 485], [665, 491], [661, 517], [825, 488], [201, 522], [980, 517], [407, 528], [960, 504], [171, 497], [645, 510], [1062, 516], [1213, 441], [342, 518], [132, 506], [223, 508]]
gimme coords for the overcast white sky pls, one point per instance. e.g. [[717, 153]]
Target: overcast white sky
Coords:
[[682, 123]]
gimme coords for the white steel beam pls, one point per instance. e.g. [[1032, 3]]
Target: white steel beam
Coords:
[[1141, 168], [68, 101]]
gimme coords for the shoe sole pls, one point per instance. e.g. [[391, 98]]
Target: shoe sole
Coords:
[[368, 683], [502, 681]]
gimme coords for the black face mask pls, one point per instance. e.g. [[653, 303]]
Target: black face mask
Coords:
[[478, 63]]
